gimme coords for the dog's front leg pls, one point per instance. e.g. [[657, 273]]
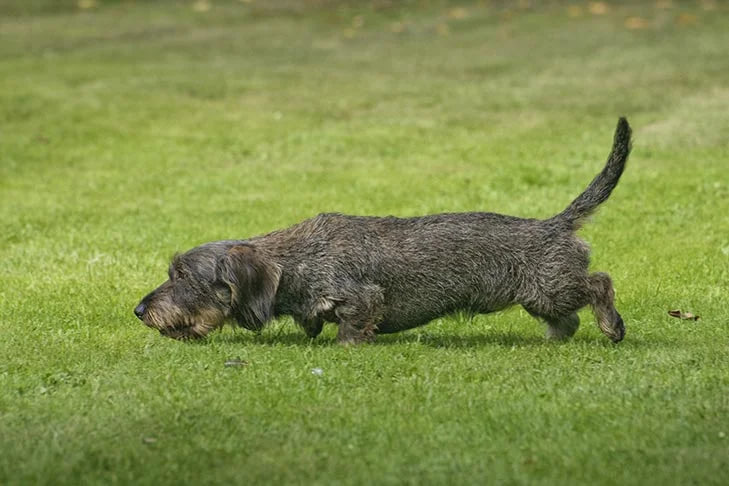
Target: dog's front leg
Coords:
[[358, 315], [356, 330], [312, 327]]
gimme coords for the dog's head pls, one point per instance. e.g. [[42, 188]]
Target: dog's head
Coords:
[[209, 284]]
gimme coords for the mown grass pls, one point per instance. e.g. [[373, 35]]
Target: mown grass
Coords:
[[132, 130]]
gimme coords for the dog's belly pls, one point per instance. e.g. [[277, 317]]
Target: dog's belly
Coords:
[[401, 319], [389, 327]]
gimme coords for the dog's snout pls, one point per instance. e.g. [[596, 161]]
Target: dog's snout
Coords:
[[139, 310]]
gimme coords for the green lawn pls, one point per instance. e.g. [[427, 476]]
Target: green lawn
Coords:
[[133, 130]]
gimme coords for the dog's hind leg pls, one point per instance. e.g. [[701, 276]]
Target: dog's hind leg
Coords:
[[562, 328], [558, 309], [602, 297], [359, 314]]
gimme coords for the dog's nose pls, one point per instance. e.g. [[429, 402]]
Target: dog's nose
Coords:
[[139, 310]]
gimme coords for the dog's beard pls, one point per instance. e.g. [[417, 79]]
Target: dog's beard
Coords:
[[173, 322]]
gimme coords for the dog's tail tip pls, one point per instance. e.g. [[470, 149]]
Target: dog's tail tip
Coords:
[[623, 130], [602, 186]]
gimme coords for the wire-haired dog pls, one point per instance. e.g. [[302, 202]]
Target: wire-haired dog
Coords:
[[381, 275]]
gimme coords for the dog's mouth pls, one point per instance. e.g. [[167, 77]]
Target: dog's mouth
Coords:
[[173, 323], [182, 333]]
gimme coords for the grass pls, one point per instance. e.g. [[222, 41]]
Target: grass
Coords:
[[132, 130]]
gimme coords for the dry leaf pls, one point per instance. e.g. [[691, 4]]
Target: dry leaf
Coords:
[[458, 13], [686, 19], [574, 11], [201, 6], [636, 23], [598, 8], [688, 316]]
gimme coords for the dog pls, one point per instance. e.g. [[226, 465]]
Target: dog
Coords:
[[374, 275]]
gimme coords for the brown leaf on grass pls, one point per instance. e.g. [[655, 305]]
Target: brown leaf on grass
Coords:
[[686, 19], [442, 29], [634, 23], [686, 316], [598, 8], [458, 13], [574, 11], [201, 6], [524, 4]]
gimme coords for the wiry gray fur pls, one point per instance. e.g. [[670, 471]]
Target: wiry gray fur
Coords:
[[385, 274]]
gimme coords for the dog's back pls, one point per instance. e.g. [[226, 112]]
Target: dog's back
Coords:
[[434, 265]]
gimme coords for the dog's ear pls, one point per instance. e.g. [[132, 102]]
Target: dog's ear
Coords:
[[253, 281]]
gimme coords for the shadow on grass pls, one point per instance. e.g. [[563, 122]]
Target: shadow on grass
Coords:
[[490, 338], [292, 337]]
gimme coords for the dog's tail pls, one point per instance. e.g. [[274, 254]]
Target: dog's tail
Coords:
[[601, 186]]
